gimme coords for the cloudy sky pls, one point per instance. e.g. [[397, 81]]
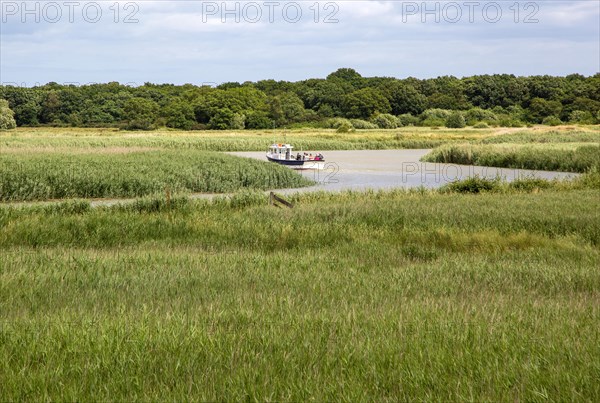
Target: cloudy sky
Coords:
[[213, 42]]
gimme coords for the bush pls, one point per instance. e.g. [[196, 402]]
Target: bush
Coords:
[[481, 125], [474, 184], [529, 184], [407, 119], [344, 128], [434, 117], [335, 123], [456, 121], [551, 121], [7, 116], [259, 120], [474, 115], [362, 124], [386, 121], [510, 122], [582, 117]]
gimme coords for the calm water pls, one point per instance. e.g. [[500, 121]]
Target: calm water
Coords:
[[385, 169]]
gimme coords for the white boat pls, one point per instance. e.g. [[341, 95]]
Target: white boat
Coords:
[[283, 154]]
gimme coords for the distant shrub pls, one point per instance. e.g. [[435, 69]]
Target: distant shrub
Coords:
[[551, 121], [435, 117], [386, 121], [474, 184], [529, 184], [481, 125], [363, 124], [407, 119], [7, 116], [474, 115], [436, 113], [510, 122], [456, 121], [335, 123], [344, 128], [582, 117], [259, 120]]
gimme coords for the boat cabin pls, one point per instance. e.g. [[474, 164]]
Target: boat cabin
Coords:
[[281, 151]]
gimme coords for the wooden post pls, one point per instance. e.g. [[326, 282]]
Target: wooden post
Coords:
[[273, 199]]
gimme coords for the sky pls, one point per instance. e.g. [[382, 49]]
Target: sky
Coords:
[[211, 42]]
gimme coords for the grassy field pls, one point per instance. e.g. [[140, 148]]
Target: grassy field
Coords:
[[479, 291], [307, 139], [378, 296]]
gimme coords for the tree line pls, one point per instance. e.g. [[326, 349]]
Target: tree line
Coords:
[[344, 100]]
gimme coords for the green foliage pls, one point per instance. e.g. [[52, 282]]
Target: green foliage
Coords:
[[476, 115], [578, 158], [474, 184], [539, 109], [552, 121], [259, 120], [140, 113], [406, 119], [364, 103], [7, 116], [41, 176], [435, 117], [404, 98], [344, 128], [335, 123], [503, 100], [179, 114], [456, 121], [386, 121], [582, 117], [481, 125], [362, 124]]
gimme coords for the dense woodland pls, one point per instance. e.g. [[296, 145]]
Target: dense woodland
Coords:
[[344, 100]]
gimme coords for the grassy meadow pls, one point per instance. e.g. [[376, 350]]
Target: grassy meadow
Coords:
[[379, 296], [479, 291]]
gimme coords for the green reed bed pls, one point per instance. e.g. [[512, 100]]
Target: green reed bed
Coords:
[[52, 175], [570, 157], [381, 296]]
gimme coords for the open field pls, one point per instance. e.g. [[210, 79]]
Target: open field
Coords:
[[384, 296], [259, 140]]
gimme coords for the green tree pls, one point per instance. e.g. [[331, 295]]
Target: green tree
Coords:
[[386, 121], [179, 114], [364, 103], [540, 108], [140, 113], [404, 98], [456, 121], [287, 108], [7, 116]]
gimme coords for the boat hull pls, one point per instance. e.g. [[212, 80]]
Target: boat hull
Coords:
[[298, 164]]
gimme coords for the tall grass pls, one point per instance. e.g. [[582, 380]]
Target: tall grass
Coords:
[[551, 157], [357, 296], [590, 135], [47, 175]]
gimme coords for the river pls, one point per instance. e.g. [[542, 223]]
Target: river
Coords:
[[387, 169]]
